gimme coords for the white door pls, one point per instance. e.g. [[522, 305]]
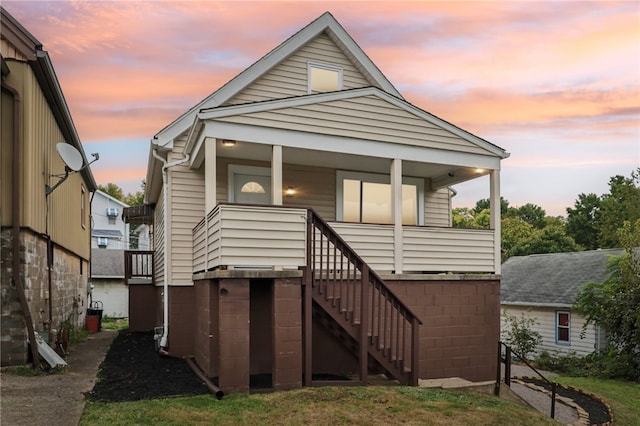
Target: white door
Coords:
[[251, 188]]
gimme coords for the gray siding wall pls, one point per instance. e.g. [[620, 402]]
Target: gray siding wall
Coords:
[[546, 326]]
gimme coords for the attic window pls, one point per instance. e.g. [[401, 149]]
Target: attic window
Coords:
[[323, 78]]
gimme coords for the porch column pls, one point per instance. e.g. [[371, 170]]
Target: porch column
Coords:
[[276, 175], [210, 195], [495, 206], [396, 213]]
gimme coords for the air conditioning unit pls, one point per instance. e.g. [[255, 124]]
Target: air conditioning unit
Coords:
[[112, 212]]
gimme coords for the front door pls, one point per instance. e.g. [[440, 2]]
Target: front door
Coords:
[[251, 185]]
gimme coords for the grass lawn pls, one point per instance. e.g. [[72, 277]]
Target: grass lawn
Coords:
[[373, 405], [117, 324], [622, 397]]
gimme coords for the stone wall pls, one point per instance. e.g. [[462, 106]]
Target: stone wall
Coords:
[[69, 276]]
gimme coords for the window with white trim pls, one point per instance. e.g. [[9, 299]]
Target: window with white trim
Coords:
[[103, 242], [323, 78], [563, 327], [366, 198]]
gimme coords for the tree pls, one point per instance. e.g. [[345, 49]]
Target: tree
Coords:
[[530, 213], [514, 230], [485, 204], [622, 203], [548, 240], [582, 221], [112, 189], [614, 303], [519, 333]]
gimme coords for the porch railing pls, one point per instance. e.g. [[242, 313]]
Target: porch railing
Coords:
[[138, 264], [360, 301]]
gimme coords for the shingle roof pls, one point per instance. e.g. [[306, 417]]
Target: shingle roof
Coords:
[[107, 263], [108, 233], [552, 279]]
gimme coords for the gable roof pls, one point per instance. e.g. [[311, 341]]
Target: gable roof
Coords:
[[552, 279], [325, 23], [427, 125], [111, 198]]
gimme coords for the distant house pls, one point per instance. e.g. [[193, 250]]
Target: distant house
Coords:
[[108, 285], [302, 227], [44, 210], [110, 238], [108, 230], [545, 286]]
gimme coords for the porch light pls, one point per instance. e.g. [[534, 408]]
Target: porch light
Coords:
[[228, 142], [479, 171], [290, 192]]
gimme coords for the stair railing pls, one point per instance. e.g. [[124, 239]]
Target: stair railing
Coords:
[[506, 357], [362, 298]]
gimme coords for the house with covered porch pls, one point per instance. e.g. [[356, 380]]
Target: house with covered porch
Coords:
[[302, 228]]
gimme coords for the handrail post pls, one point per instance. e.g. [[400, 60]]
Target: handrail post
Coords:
[[364, 307], [496, 387], [308, 317], [415, 351], [507, 366]]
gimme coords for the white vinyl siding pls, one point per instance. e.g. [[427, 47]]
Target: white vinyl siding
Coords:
[[437, 209], [187, 209], [374, 243], [365, 117], [447, 250], [253, 237], [546, 317], [289, 78], [159, 242]]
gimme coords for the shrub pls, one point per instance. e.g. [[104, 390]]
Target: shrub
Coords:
[[519, 334]]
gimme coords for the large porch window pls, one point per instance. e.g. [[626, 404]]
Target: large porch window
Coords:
[[366, 198]]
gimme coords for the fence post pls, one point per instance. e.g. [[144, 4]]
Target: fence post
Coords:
[[553, 400], [496, 388], [507, 366]]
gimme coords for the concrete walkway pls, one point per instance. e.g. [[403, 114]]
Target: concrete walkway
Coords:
[[541, 400], [56, 399]]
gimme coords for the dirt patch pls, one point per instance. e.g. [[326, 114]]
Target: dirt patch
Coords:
[[133, 370]]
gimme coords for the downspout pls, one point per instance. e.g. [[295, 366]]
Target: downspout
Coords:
[[15, 220], [167, 215]]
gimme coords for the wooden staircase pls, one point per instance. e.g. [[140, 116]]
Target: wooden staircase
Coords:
[[382, 328]]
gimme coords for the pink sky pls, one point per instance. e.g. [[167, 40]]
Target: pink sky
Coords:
[[556, 84]]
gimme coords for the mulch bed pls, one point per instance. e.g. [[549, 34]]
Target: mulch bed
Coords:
[[598, 411], [133, 370]]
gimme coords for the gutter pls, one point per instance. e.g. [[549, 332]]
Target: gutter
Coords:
[[15, 221], [167, 216]]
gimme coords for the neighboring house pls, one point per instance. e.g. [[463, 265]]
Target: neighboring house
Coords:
[[44, 211], [110, 237], [252, 281], [545, 287], [108, 285], [108, 230]]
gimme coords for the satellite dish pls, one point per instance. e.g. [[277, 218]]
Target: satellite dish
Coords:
[[71, 156]]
